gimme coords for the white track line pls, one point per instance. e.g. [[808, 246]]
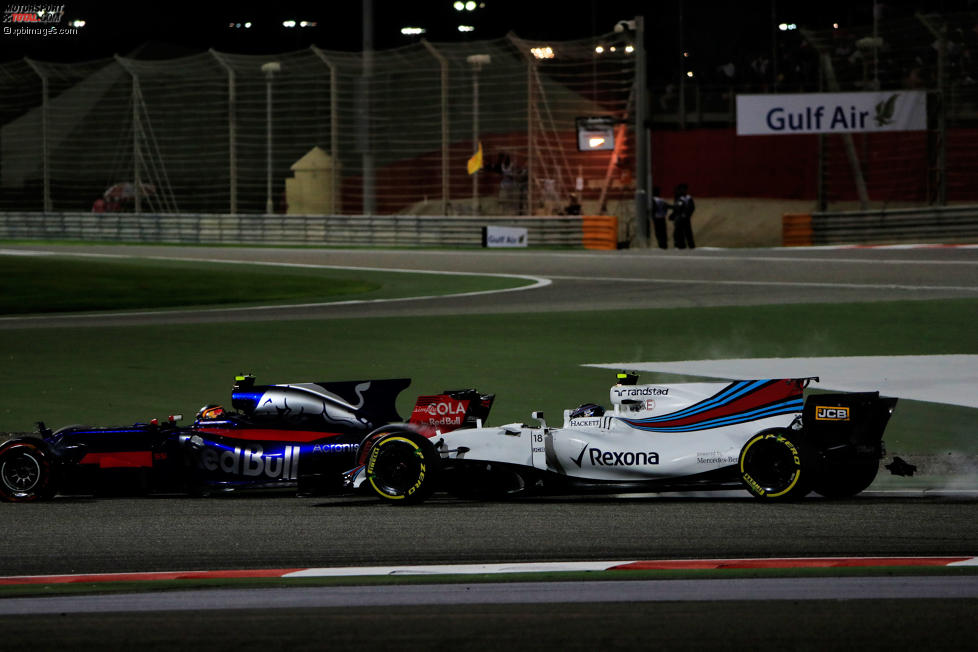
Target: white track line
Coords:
[[853, 286], [536, 282]]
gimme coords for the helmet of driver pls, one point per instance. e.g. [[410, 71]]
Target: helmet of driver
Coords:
[[209, 412], [587, 410]]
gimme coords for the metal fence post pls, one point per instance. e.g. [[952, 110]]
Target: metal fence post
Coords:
[[530, 136], [232, 126], [443, 64], [269, 68], [642, 166], [334, 127], [46, 170], [940, 165], [136, 131]]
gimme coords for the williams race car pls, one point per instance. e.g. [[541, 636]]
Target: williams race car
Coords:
[[261, 442], [764, 436]]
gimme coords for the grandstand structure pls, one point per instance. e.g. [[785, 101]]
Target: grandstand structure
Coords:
[[392, 132]]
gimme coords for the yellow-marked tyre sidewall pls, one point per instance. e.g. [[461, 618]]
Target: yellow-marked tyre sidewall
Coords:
[[795, 485], [417, 491]]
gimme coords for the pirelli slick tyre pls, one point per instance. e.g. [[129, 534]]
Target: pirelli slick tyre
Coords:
[[773, 465], [401, 468], [26, 472]]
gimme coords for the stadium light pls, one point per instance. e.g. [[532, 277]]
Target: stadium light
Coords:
[[466, 28], [412, 31], [288, 23], [470, 5], [78, 23], [599, 49], [459, 5], [545, 52], [629, 49]]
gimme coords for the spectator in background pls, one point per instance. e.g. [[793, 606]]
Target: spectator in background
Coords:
[[682, 213], [573, 207], [98, 206], [660, 208], [508, 192]]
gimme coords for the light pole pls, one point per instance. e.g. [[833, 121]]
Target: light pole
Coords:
[[642, 167], [269, 69], [477, 61]]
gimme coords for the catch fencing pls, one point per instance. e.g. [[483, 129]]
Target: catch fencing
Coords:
[[391, 133], [385, 133]]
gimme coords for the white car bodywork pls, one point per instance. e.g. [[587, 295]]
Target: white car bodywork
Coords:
[[651, 432]]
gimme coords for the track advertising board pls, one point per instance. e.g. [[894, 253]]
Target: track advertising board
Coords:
[[504, 236], [831, 113]]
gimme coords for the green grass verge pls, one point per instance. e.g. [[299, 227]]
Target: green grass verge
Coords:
[[84, 588], [47, 284]]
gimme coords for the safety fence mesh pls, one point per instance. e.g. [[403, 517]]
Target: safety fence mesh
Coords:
[[315, 131], [392, 132]]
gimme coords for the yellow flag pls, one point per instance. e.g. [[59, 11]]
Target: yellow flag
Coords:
[[475, 163]]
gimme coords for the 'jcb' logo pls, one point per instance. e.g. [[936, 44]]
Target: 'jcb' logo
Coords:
[[831, 413]]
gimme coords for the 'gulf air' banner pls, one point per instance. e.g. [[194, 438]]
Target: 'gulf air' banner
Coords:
[[831, 113]]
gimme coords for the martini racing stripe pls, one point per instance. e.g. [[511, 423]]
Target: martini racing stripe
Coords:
[[786, 407], [738, 396], [737, 403]]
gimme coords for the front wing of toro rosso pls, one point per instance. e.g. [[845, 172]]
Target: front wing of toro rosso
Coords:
[[267, 437], [765, 436]]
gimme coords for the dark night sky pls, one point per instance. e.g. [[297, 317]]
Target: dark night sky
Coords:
[[711, 29]]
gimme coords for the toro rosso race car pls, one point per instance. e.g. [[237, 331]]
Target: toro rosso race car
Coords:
[[263, 441], [764, 436]]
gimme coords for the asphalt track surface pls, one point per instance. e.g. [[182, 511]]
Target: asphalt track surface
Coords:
[[83, 535], [583, 280]]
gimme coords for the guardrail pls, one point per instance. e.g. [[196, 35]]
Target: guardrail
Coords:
[[322, 230], [945, 225]]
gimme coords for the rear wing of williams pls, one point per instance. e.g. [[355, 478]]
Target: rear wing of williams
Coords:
[[847, 419]]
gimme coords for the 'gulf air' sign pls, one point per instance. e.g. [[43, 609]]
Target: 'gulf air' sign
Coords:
[[831, 113]]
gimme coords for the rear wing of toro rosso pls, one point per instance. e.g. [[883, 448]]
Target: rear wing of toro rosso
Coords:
[[451, 410]]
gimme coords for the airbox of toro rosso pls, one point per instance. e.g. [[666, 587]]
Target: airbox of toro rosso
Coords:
[[271, 433]]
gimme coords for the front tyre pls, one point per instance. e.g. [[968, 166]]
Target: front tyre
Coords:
[[26, 473], [401, 468], [773, 465]]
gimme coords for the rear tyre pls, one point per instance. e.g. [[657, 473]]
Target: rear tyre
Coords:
[[845, 480], [401, 468], [773, 466], [26, 473]]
